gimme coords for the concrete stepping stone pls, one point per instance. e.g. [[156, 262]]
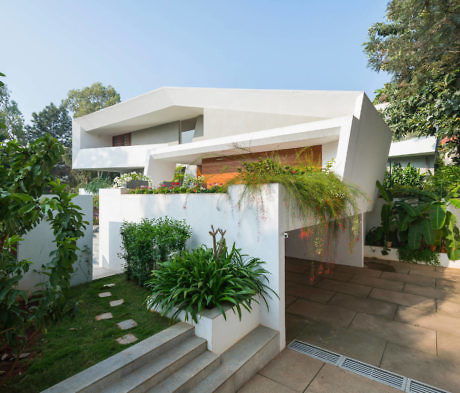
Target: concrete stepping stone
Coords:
[[109, 285], [126, 339], [115, 303], [105, 294], [106, 315], [128, 324]]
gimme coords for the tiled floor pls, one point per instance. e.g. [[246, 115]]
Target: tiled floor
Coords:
[[405, 319]]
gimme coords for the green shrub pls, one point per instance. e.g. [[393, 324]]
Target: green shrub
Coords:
[[444, 180], [97, 183], [426, 255], [151, 241], [404, 177], [198, 280], [313, 192]]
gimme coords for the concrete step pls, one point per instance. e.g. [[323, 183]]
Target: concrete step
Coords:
[[190, 375], [151, 374], [110, 371], [241, 362]]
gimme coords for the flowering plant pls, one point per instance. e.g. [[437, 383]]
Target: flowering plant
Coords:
[[120, 181]]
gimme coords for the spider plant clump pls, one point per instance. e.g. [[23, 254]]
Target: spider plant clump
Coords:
[[316, 195], [207, 278]]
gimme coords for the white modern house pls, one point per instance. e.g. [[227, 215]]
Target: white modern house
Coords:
[[210, 128], [419, 152]]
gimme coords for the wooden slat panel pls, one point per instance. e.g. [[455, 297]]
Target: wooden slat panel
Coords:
[[222, 169]]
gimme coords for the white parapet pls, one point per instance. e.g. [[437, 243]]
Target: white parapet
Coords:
[[253, 225]]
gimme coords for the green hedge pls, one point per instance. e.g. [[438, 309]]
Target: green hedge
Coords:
[[146, 243]]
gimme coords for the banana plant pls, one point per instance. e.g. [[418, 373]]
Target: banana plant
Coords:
[[425, 220]]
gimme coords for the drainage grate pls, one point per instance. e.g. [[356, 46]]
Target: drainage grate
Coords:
[[419, 387], [367, 370], [315, 352], [375, 373]]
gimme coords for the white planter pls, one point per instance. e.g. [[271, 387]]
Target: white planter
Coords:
[[376, 252], [222, 333]]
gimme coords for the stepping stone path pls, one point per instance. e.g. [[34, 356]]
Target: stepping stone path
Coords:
[[123, 325], [106, 315], [127, 339], [105, 294], [128, 324], [115, 303]]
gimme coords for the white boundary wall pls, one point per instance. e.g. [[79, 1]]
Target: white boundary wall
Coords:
[[39, 242], [257, 231]]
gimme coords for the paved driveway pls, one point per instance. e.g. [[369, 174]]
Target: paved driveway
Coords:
[[404, 318]]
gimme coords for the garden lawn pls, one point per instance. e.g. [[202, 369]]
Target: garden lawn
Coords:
[[74, 344]]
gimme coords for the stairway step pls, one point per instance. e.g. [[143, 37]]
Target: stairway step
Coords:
[[112, 369], [242, 361], [189, 375], [151, 374]]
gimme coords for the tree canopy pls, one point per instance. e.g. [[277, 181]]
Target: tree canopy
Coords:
[[10, 116], [91, 99], [52, 120], [419, 46]]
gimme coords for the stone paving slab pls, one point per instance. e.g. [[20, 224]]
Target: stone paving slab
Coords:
[[415, 337], [261, 384], [109, 285], [449, 346], [292, 369], [349, 342], [321, 312], [448, 307], [417, 279], [127, 324], [106, 315], [341, 275], [345, 287], [298, 278], [126, 339], [434, 321], [446, 284], [294, 326], [115, 303], [332, 379], [308, 292], [434, 293], [404, 299], [377, 282], [369, 306], [105, 294], [289, 300], [421, 366]]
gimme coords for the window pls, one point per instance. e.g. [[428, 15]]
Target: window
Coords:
[[121, 140]]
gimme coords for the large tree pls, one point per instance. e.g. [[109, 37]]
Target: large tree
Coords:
[[52, 120], [419, 46], [91, 99], [10, 116]]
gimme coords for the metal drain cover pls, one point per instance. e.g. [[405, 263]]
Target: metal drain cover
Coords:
[[367, 370]]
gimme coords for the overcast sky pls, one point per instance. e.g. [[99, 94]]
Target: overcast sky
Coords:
[[50, 47]]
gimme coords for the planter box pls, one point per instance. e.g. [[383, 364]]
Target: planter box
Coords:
[[137, 184], [376, 252], [222, 334]]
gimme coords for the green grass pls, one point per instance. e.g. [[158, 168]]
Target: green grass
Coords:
[[62, 352]]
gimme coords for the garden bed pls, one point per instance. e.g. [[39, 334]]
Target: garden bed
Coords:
[[74, 344], [376, 252]]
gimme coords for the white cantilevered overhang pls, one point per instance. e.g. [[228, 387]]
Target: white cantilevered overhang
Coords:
[[299, 135]]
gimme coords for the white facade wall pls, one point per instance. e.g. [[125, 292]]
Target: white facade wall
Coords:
[[256, 231], [39, 242]]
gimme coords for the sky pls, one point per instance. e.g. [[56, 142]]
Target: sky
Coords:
[[136, 46]]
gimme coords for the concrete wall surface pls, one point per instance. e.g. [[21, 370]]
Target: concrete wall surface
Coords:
[[255, 230], [39, 242]]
